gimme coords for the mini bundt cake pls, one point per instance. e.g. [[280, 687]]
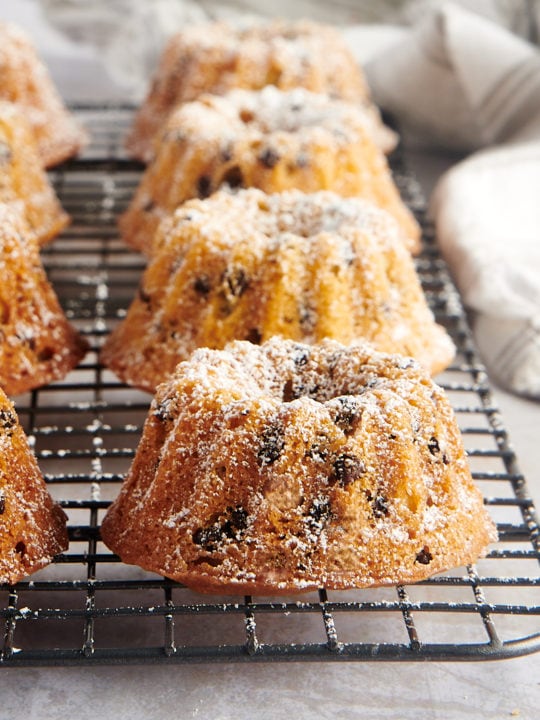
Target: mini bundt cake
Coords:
[[37, 344], [217, 57], [23, 179], [246, 266], [270, 139], [32, 526], [25, 80], [288, 467]]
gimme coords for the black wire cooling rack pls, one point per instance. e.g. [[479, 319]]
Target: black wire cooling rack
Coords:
[[89, 608]]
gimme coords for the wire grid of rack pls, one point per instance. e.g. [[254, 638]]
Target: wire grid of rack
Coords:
[[89, 608]]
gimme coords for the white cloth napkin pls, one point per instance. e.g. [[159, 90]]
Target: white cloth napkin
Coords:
[[459, 81]]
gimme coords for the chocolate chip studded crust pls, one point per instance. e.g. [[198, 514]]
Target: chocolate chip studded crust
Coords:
[[247, 266], [271, 139], [37, 344], [23, 179], [286, 467], [25, 80], [217, 57], [32, 526]]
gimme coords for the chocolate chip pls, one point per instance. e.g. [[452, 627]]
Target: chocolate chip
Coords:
[[207, 538], [348, 414], [269, 158], [144, 296], [164, 412], [203, 186], [301, 358], [20, 548], [229, 526], [424, 557], [246, 115], [202, 285], [2, 503], [237, 521], [288, 394], [308, 317], [380, 506], [272, 444], [235, 281], [254, 336], [319, 514], [233, 177], [433, 446], [149, 205], [45, 355], [346, 469], [8, 422]]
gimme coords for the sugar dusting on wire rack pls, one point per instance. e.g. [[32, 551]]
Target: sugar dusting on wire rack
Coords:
[[88, 608]]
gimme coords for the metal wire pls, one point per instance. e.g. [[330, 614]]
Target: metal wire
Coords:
[[89, 608]]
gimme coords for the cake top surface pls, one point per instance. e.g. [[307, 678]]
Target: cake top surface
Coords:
[[322, 372], [294, 45], [254, 216], [16, 50], [253, 114], [285, 465], [11, 32]]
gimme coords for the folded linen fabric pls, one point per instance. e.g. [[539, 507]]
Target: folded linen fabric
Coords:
[[487, 211], [459, 81]]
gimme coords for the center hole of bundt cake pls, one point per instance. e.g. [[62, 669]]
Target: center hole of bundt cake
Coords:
[[301, 385], [289, 112], [305, 220], [345, 409], [327, 382]]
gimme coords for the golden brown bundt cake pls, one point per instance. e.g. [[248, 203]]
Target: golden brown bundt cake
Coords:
[[246, 266], [32, 526], [37, 344], [25, 80], [23, 179], [270, 139], [217, 57], [288, 467]]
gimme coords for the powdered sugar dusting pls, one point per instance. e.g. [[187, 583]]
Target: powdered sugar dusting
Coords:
[[288, 466], [217, 57], [289, 264], [271, 139], [26, 81]]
